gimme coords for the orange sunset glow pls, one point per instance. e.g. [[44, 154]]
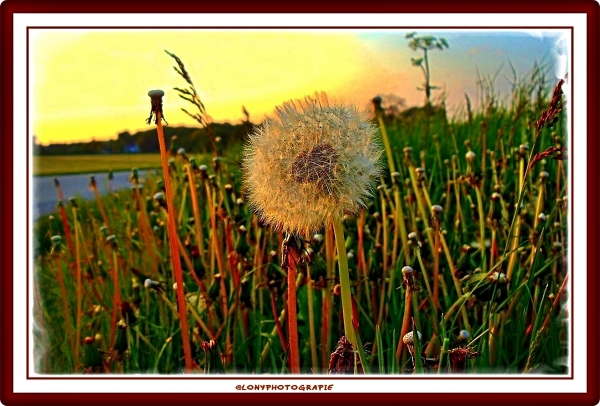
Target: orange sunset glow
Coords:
[[88, 84]]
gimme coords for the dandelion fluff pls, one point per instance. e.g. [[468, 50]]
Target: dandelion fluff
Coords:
[[312, 163]]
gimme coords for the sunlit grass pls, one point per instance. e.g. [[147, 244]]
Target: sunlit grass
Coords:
[[98, 163]]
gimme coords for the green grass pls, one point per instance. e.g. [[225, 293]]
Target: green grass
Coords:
[[506, 293], [72, 164]]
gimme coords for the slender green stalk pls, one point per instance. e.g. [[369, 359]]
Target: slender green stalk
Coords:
[[65, 305], [481, 228], [443, 355], [386, 143], [345, 284], [457, 286], [345, 287]]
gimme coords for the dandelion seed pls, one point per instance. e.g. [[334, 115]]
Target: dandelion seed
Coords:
[[310, 165]]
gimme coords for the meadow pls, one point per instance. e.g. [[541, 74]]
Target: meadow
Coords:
[[70, 164], [463, 246]]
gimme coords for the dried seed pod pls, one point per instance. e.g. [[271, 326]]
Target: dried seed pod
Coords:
[[92, 360], [343, 359]]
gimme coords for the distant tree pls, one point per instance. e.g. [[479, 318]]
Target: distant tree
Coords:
[[425, 44]]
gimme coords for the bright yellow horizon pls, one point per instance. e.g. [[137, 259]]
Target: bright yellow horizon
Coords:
[[95, 83], [87, 83]]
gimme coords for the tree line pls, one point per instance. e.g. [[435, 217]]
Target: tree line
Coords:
[[192, 139]]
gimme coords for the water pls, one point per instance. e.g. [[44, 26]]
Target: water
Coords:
[[45, 196]]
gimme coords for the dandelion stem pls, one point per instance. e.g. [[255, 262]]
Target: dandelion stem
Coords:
[[292, 319], [172, 230], [311, 324], [327, 298]]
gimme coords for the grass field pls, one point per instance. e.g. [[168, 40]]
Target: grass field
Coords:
[[70, 164], [458, 263]]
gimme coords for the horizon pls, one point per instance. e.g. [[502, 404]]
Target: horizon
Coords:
[[98, 79]]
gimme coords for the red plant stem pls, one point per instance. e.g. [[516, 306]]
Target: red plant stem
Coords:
[[436, 267], [406, 325], [116, 297], [293, 318], [327, 314], [172, 230], [67, 229], [362, 263], [216, 248], [97, 295], [494, 250], [79, 290], [190, 265], [556, 301], [101, 206], [196, 210], [199, 282], [231, 255], [144, 226], [61, 198], [324, 332], [277, 323]]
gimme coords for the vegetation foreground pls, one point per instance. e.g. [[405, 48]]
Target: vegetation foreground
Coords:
[[456, 265]]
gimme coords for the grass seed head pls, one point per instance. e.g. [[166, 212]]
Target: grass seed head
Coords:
[[311, 164]]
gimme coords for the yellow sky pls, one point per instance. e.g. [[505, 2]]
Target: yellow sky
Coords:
[[88, 84]]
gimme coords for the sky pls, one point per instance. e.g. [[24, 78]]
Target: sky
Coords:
[[92, 84]]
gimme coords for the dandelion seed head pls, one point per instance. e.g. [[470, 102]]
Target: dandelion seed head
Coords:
[[311, 164]]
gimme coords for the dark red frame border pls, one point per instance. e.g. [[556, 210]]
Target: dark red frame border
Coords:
[[10, 7]]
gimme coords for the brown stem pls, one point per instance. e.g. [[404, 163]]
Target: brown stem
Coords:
[[292, 317]]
